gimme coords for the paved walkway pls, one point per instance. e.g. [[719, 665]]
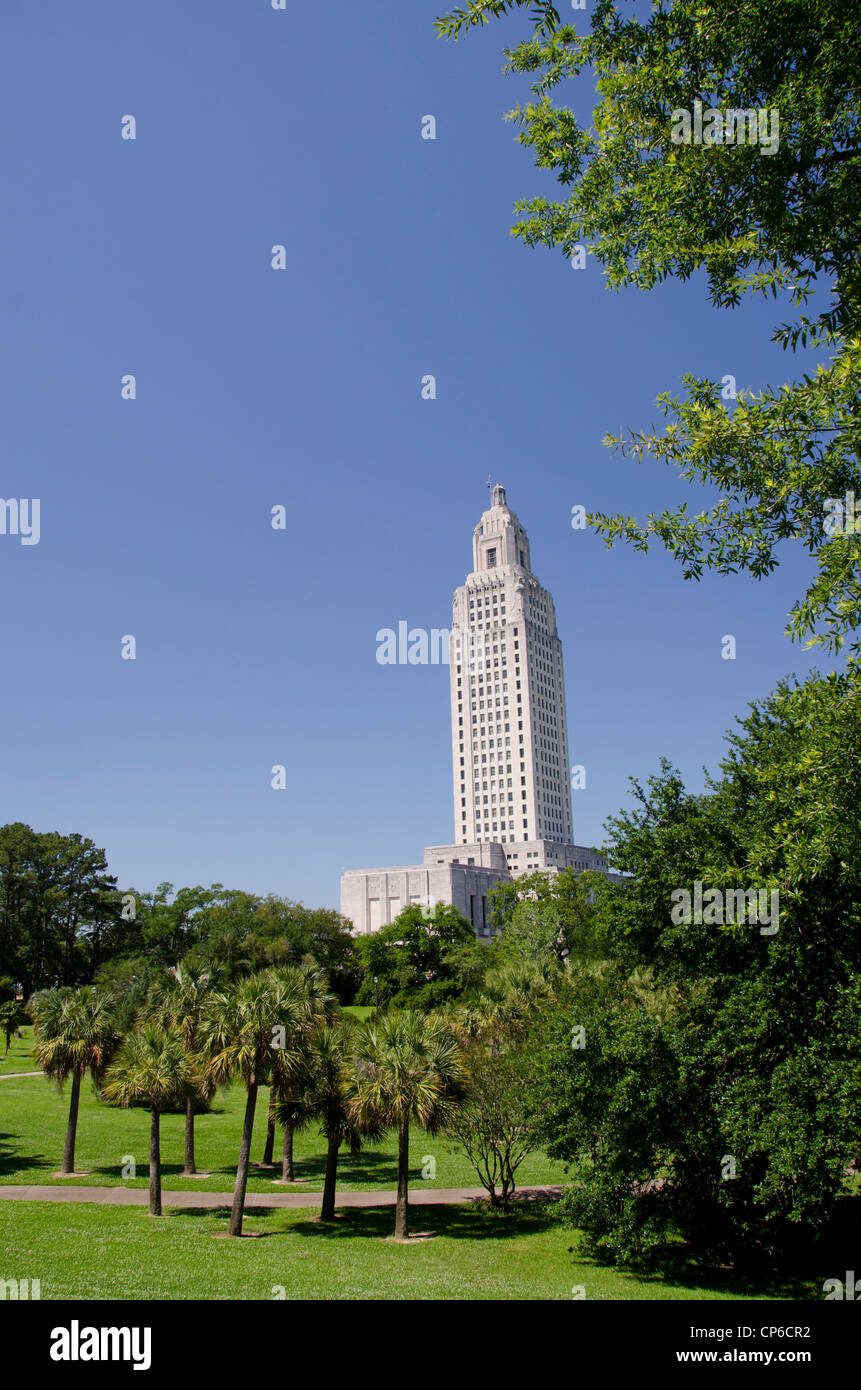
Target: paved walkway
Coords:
[[139, 1196], [10, 1075]]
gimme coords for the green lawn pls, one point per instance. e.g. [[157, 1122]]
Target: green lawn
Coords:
[[19, 1058], [88, 1251], [82, 1252], [33, 1119]]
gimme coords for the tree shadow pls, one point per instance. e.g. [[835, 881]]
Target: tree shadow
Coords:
[[221, 1217], [13, 1161], [462, 1222], [370, 1166], [680, 1268], [220, 1213], [798, 1276]]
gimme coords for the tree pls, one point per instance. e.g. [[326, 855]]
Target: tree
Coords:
[[11, 1018], [514, 994], [242, 1029], [780, 218], [179, 1002], [326, 1089], [415, 960], [715, 1086], [409, 1068], [74, 1033], [291, 1111], [169, 923], [56, 901], [320, 1003], [550, 916], [249, 933], [152, 1067], [496, 1122], [131, 980]]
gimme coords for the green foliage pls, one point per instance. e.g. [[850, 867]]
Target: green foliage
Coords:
[[244, 933], [549, 916], [74, 1032], [708, 1043], [496, 1121], [421, 960], [782, 224], [238, 1033], [408, 1070], [57, 902], [64, 922], [12, 1017], [131, 980], [152, 1067], [166, 925]]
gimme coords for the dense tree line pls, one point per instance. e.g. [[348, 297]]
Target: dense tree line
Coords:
[[64, 922]]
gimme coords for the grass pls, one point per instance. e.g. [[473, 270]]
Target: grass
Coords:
[[89, 1252], [33, 1118], [20, 1057]]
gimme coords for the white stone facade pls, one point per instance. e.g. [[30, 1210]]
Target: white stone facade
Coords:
[[509, 735], [512, 795], [461, 876]]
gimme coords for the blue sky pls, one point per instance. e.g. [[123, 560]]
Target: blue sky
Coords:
[[302, 388]]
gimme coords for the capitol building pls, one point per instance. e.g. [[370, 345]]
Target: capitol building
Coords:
[[509, 733]]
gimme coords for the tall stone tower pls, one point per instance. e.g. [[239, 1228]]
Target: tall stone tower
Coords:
[[509, 731], [512, 799]]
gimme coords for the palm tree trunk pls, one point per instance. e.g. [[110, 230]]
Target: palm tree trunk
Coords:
[[154, 1164], [235, 1227], [72, 1127], [402, 1208], [270, 1131], [287, 1156], [327, 1210], [189, 1168]]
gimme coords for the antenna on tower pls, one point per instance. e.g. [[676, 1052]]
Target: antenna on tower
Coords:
[[489, 483]]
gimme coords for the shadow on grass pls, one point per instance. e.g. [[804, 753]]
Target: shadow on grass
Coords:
[[799, 1276], [468, 1222], [683, 1271], [371, 1168], [220, 1217], [12, 1161]]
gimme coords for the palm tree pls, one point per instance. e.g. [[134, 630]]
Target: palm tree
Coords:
[[409, 1068], [240, 1037], [324, 1092], [74, 1033], [179, 1002], [290, 1110], [512, 994], [11, 1018], [152, 1066], [322, 1004]]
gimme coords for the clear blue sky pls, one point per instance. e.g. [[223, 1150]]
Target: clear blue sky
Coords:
[[257, 387]]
